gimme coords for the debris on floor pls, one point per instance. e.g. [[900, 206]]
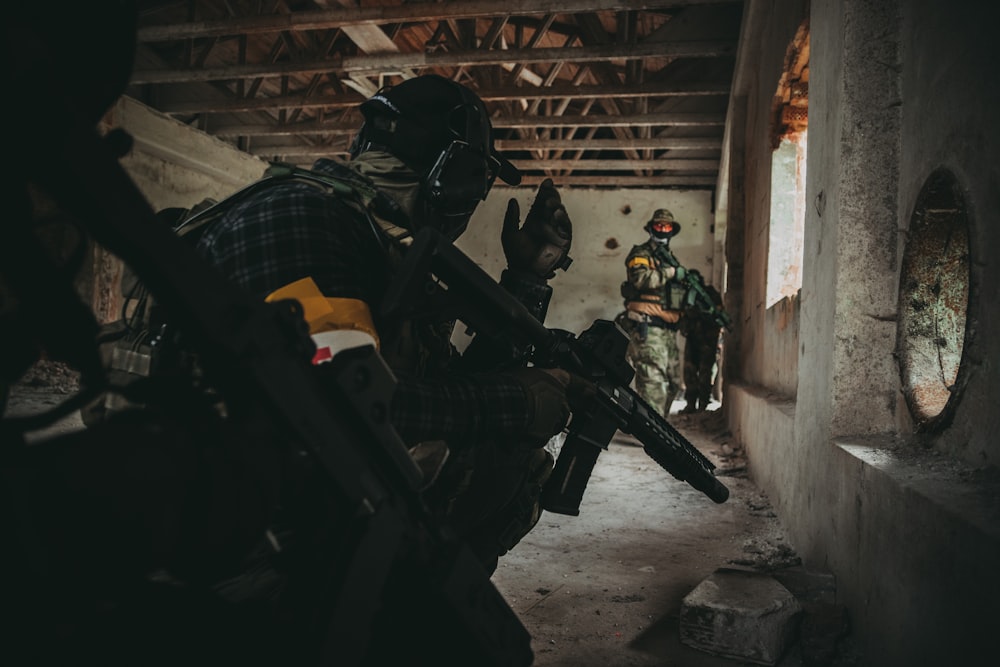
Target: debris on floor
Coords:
[[606, 587], [740, 614], [52, 376]]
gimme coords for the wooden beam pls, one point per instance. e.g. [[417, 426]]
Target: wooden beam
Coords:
[[301, 154], [506, 93], [676, 119], [632, 120], [395, 62], [325, 19], [618, 165], [617, 182], [654, 143], [677, 165], [332, 129], [623, 181], [370, 39]]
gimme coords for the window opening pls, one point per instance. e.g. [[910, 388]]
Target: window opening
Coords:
[[934, 301], [788, 173]]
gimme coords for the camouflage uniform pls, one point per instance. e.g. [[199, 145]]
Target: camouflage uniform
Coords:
[[700, 356], [652, 313], [655, 361]]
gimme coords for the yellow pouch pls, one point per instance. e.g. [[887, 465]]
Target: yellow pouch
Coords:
[[327, 314]]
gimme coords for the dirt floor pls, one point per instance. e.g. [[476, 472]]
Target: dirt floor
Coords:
[[605, 588]]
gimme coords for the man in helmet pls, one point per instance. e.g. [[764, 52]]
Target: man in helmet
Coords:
[[701, 333], [424, 157], [654, 298]]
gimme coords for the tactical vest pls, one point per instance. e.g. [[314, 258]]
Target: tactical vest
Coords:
[[671, 296]]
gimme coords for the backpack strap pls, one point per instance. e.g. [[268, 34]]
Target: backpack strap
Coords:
[[347, 185]]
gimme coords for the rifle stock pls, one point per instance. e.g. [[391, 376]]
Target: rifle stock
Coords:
[[437, 269]]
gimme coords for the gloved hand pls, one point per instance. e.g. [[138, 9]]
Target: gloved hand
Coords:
[[553, 395], [548, 406], [679, 272], [541, 245]]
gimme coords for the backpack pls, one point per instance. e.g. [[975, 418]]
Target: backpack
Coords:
[[141, 343]]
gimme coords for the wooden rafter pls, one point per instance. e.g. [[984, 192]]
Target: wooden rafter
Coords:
[[586, 91], [394, 62], [323, 19]]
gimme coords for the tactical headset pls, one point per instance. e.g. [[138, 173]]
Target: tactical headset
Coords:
[[441, 130]]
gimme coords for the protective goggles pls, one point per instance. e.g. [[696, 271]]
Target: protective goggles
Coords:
[[662, 227]]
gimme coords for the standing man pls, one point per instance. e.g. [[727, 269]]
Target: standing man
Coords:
[[701, 331], [654, 299]]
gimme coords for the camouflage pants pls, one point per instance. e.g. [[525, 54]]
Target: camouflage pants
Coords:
[[656, 364]]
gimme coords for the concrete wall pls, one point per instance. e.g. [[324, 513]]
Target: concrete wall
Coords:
[[767, 346], [909, 525], [951, 94]]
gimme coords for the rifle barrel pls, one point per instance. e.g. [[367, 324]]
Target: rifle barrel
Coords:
[[665, 444]]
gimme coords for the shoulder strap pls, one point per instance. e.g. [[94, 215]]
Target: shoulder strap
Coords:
[[348, 187], [345, 184]]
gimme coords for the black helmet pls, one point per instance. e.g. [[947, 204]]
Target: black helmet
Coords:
[[441, 130], [662, 227]]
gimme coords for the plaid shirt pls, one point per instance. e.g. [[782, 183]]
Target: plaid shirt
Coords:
[[463, 407], [294, 230]]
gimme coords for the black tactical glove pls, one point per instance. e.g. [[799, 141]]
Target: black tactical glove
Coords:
[[541, 245], [553, 394], [548, 405]]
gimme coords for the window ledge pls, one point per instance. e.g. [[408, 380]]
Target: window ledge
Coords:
[[971, 495]]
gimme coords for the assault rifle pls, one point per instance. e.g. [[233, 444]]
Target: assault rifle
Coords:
[[435, 270], [696, 286]]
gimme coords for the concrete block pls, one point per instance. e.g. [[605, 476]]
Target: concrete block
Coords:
[[808, 585], [738, 614]]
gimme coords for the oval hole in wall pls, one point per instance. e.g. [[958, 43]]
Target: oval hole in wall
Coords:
[[934, 302]]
